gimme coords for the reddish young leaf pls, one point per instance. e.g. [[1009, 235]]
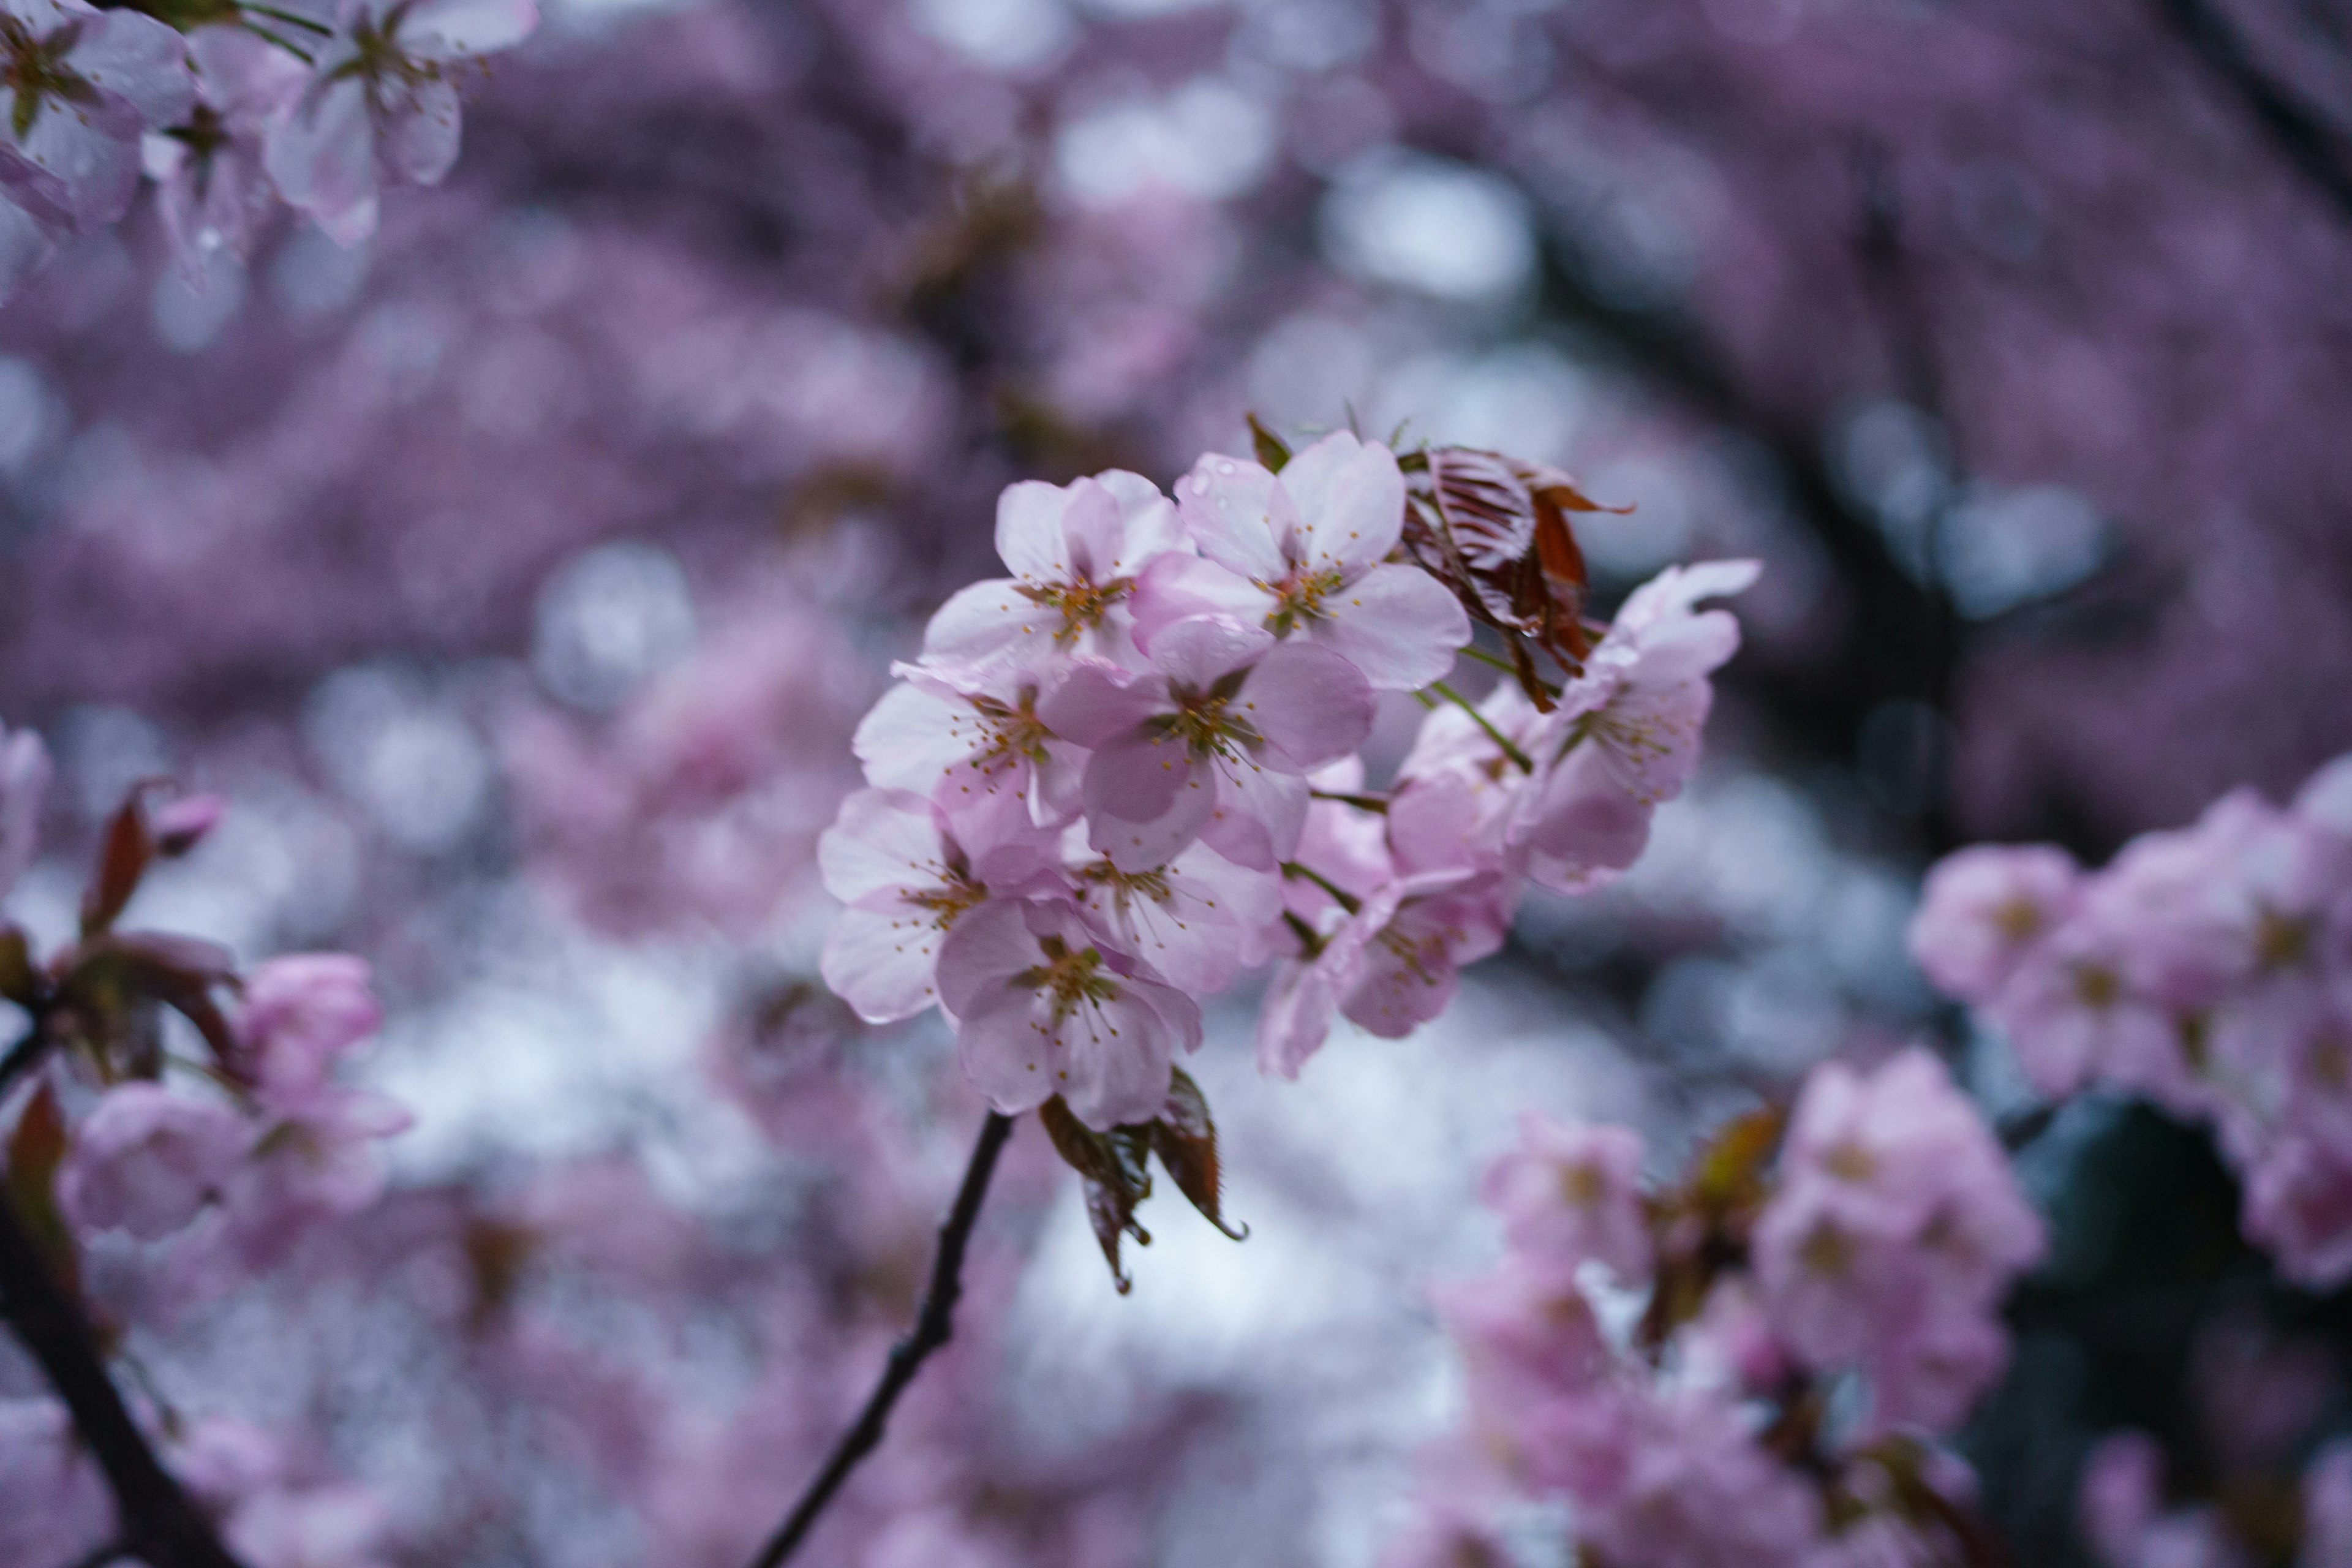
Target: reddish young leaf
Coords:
[[1185, 1139], [123, 857], [1113, 1166]]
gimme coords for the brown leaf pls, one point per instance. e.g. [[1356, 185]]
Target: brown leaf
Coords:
[[36, 1149], [111, 976], [1185, 1139], [1116, 1178], [19, 981], [1727, 1176], [122, 859]]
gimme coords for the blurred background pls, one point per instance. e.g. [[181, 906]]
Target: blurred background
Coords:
[[520, 575]]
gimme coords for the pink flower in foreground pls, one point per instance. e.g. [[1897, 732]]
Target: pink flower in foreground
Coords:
[[1412, 963], [965, 738], [146, 1160], [54, 1503], [78, 86], [1212, 742], [1626, 735], [908, 876], [381, 103], [1305, 552], [23, 786], [1568, 1193], [1197, 920], [1074, 552], [1984, 907], [302, 1015], [1044, 1010]]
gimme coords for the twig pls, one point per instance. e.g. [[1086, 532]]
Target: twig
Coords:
[[2293, 130], [934, 1324], [1526, 764], [160, 1526]]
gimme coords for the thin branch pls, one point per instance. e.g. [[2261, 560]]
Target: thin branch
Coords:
[[2292, 127], [934, 1324], [160, 1526], [1526, 764]]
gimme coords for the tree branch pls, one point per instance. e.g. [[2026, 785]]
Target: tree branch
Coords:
[[934, 1324], [160, 1524], [2292, 127]]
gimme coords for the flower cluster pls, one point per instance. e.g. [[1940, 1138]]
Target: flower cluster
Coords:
[[1125, 773], [1809, 1325], [229, 107], [123, 1137], [2123, 1516], [2208, 969]]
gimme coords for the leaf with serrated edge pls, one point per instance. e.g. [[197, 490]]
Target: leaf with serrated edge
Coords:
[[1185, 1139], [1112, 1166]]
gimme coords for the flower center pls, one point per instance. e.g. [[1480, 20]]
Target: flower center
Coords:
[[1126, 887], [1850, 1162], [2281, 941], [1074, 980], [1298, 598], [1001, 736], [1081, 604], [1582, 1185], [2097, 987], [2017, 920], [33, 68], [1214, 722]]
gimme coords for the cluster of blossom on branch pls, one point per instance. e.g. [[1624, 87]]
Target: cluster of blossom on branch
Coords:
[[2208, 969], [2127, 1522], [173, 1128], [1117, 779], [232, 108], [1753, 1364]]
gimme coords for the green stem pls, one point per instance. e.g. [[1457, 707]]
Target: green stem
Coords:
[[1526, 764], [288, 17], [1305, 934], [267, 37], [1339, 895], [1379, 802], [1505, 665]]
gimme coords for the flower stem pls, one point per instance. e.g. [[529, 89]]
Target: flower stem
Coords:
[[934, 1324], [1305, 933], [1339, 895], [1481, 656], [288, 17], [1379, 802], [266, 36], [1526, 764]]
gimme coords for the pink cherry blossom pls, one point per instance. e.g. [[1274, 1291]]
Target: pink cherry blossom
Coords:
[[302, 1015], [213, 191], [1569, 1193], [908, 875], [964, 738], [337, 1526], [1306, 551], [1412, 962], [24, 788], [2072, 1012], [147, 1161], [1045, 1010], [2327, 1508], [382, 104], [1984, 907], [1212, 742], [1895, 1228], [310, 1170], [78, 86], [1197, 920], [1076, 551], [1625, 733], [2120, 1496], [1691, 1487], [1442, 1537], [2298, 1195]]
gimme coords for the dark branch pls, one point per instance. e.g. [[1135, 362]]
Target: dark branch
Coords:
[[160, 1526], [2293, 130], [934, 1324], [20, 1060]]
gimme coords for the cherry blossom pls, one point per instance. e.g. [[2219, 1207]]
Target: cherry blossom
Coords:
[[908, 876], [147, 1161], [78, 87], [212, 189], [1214, 742], [309, 1170], [1984, 909], [1198, 920], [300, 1015], [1304, 551], [1046, 1011], [1570, 1194], [1076, 551], [966, 738], [382, 104]]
